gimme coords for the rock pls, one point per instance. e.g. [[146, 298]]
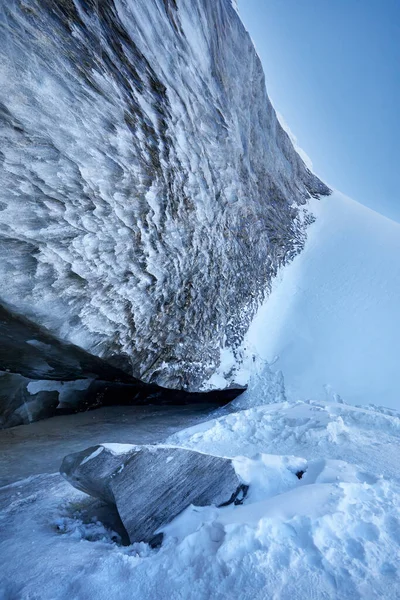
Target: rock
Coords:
[[151, 485], [18, 405]]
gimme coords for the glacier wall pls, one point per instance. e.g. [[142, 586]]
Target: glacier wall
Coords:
[[148, 193]]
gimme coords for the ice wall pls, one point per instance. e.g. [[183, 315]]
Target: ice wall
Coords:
[[148, 193]]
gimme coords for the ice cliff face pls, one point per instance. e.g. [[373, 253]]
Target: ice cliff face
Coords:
[[147, 191]]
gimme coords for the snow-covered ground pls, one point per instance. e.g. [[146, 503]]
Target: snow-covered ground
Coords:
[[334, 533], [322, 516]]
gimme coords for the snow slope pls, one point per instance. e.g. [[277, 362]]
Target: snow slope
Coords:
[[333, 317]]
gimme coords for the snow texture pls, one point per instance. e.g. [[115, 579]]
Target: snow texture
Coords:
[[321, 519], [332, 321], [148, 193]]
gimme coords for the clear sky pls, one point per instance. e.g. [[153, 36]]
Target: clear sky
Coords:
[[332, 70]]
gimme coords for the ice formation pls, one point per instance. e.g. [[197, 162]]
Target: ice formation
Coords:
[[148, 193]]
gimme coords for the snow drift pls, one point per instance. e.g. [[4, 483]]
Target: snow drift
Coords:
[[332, 321]]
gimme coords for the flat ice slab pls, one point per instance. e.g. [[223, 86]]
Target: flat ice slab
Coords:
[[151, 485], [37, 448]]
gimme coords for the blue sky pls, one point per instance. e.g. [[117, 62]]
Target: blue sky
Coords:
[[333, 71]]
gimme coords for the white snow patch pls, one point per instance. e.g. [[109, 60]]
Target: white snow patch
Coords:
[[235, 5], [221, 378], [120, 448], [302, 153]]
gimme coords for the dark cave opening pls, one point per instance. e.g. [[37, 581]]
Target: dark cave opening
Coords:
[[42, 376]]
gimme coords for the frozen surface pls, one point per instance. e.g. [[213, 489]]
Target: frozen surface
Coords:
[[40, 447], [334, 533], [332, 321]]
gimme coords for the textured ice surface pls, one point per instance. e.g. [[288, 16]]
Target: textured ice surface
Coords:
[[147, 191]]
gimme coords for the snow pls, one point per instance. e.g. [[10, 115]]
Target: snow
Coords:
[[235, 5], [119, 448], [321, 518], [220, 378], [333, 317], [300, 151], [310, 430]]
